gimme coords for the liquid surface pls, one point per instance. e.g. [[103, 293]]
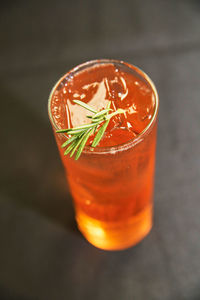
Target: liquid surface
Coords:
[[97, 86]]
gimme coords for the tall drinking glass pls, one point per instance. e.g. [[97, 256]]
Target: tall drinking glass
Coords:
[[112, 186]]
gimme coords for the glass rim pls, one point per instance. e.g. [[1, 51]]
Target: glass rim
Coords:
[[121, 147]]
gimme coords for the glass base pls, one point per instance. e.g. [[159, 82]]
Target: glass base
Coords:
[[116, 236]]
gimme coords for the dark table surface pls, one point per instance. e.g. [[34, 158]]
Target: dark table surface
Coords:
[[42, 254]]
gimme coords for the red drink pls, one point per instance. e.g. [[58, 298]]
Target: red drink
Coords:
[[112, 184]]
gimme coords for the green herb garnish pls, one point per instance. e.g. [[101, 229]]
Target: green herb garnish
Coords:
[[78, 136]]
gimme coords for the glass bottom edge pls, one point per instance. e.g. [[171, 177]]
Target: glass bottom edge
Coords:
[[116, 235]]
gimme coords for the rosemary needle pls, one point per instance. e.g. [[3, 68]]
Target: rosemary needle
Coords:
[[78, 136]]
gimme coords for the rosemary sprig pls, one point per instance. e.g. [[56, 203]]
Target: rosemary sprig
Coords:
[[78, 136]]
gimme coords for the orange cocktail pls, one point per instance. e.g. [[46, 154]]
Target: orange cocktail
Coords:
[[112, 184]]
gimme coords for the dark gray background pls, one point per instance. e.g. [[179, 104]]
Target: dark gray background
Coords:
[[42, 254]]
